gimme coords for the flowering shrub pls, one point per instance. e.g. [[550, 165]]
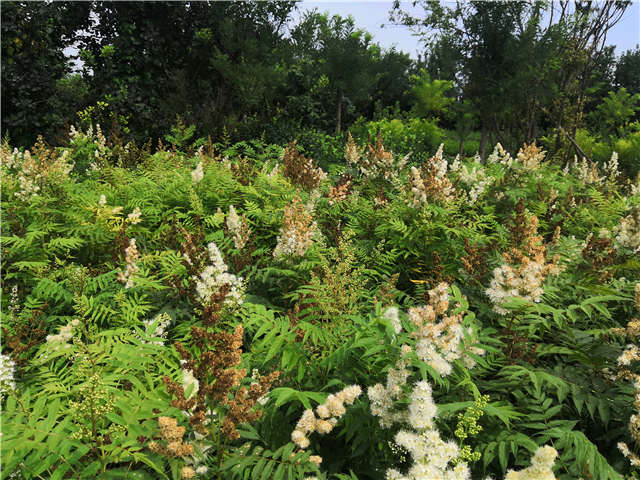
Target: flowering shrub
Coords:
[[483, 306], [297, 232], [431, 182]]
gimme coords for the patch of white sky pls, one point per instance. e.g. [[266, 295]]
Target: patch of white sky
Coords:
[[373, 16]]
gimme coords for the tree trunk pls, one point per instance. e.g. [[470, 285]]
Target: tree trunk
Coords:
[[339, 114], [483, 141]]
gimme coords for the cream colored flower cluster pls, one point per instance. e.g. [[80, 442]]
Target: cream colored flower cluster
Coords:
[[438, 343], [524, 281], [541, 466], [297, 232], [634, 426], [500, 155], [477, 179], [587, 172], [325, 417], [7, 374], [134, 217], [34, 173], [629, 355], [96, 138], [432, 456], [430, 181], [612, 167], [61, 339], [382, 398], [373, 161], [131, 257], [9, 159], [393, 315], [627, 233], [238, 227], [441, 343], [215, 276], [530, 157], [198, 174], [439, 163]]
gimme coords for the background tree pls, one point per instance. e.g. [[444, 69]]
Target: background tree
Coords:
[[342, 54], [497, 47], [210, 62], [34, 37], [627, 71]]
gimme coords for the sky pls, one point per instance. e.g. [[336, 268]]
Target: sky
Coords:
[[372, 14]]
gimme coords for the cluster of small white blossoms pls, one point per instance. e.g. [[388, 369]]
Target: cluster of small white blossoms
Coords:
[[509, 282], [29, 178], [14, 301], [393, 315], [432, 456], [238, 227], [9, 159], [187, 472], [134, 217], [634, 427], [132, 256], [382, 398], [612, 167], [374, 161], [198, 174], [439, 163], [431, 182], [156, 327], [456, 164], [98, 139], [60, 341], [33, 173], [438, 344], [441, 343], [530, 157], [627, 233], [102, 201], [500, 155], [297, 231], [7, 374], [324, 419], [541, 466], [586, 171], [418, 192], [215, 276], [477, 179], [629, 355]]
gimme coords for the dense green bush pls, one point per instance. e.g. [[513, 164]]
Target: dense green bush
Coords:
[[421, 136], [147, 307]]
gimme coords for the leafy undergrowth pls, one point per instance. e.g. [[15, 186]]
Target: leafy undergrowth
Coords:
[[247, 315]]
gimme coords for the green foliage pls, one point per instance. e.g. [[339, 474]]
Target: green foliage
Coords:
[[616, 111], [430, 95], [91, 315], [417, 135]]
